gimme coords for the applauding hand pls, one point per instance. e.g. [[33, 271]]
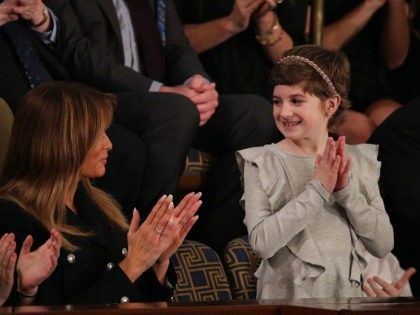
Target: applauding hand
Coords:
[[7, 265], [242, 12], [184, 219], [379, 287], [345, 162], [34, 267], [327, 166], [148, 241]]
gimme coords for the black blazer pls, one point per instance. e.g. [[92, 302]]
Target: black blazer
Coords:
[[91, 274], [92, 47]]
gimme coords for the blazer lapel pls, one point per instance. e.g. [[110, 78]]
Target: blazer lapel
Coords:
[[109, 10], [90, 218]]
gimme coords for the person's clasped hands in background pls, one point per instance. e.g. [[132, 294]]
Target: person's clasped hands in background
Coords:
[[7, 13], [34, 12]]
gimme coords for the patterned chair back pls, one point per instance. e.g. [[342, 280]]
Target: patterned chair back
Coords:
[[200, 272], [240, 264], [197, 164]]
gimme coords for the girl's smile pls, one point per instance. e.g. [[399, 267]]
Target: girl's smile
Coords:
[[290, 123], [299, 115]]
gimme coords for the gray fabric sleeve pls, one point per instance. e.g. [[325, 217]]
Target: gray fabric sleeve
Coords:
[[368, 218], [271, 229]]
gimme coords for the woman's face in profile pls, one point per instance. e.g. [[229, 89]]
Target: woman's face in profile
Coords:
[[94, 164]]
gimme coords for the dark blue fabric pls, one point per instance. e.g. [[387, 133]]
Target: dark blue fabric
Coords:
[[200, 273], [35, 71], [161, 20], [241, 263]]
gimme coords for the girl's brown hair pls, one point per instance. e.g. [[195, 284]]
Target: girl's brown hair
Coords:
[[291, 71]]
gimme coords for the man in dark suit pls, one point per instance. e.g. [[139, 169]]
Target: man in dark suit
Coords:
[[226, 123], [126, 161]]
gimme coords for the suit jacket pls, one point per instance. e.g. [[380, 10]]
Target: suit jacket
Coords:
[[13, 83], [92, 46], [91, 274]]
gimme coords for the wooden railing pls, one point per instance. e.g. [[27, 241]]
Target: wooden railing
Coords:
[[351, 306]]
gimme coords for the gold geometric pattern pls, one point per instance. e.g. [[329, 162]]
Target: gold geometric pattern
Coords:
[[197, 162], [200, 273], [241, 263]]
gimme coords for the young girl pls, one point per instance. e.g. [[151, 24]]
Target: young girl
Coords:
[[311, 203]]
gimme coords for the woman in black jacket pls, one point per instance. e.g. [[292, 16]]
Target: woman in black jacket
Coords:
[[58, 144]]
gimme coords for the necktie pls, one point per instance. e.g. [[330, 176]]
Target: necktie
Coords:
[[35, 70], [161, 20], [148, 37]]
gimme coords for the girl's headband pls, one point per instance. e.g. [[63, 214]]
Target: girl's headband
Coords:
[[314, 66]]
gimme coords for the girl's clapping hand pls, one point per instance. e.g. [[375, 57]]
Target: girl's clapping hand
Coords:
[[379, 287], [345, 163], [327, 166]]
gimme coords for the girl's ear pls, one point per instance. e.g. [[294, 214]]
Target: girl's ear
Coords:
[[332, 104]]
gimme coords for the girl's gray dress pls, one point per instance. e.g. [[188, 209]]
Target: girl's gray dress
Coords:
[[310, 240]]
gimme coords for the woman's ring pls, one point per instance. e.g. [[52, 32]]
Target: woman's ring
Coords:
[[158, 231]]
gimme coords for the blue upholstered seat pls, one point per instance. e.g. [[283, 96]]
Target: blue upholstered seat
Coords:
[[240, 264], [200, 272], [197, 162]]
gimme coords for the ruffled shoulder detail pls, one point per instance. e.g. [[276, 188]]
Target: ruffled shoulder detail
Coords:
[[247, 155], [365, 166], [270, 168], [365, 159], [279, 189], [250, 155]]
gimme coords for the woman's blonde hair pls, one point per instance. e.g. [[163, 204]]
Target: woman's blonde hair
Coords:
[[322, 72], [56, 125]]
